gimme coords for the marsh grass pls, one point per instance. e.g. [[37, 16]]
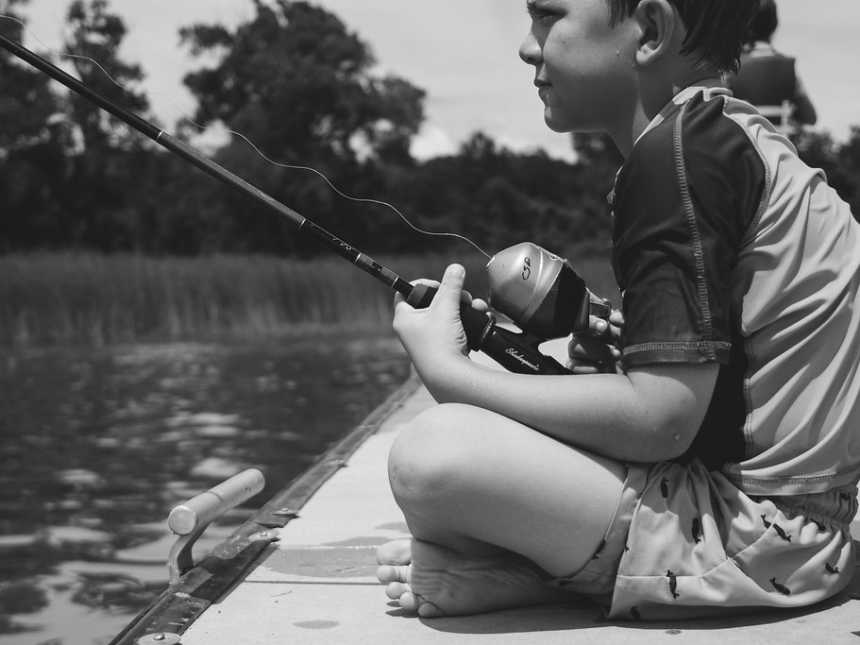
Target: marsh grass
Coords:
[[69, 299]]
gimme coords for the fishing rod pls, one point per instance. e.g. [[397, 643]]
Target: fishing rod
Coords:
[[517, 352]]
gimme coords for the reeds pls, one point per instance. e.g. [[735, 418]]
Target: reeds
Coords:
[[71, 298]]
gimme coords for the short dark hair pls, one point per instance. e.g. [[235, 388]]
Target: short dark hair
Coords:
[[764, 23], [716, 29]]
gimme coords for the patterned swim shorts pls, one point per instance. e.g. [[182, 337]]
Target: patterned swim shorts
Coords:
[[688, 543]]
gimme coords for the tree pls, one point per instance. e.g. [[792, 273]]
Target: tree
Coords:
[[300, 85], [31, 148], [26, 98], [498, 198], [849, 161], [295, 77], [840, 162], [107, 183], [93, 39]]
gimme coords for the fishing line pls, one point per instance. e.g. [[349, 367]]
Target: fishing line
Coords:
[[262, 155], [338, 191]]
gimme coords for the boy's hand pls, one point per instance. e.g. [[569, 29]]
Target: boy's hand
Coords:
[[435, 333], [597, 350]]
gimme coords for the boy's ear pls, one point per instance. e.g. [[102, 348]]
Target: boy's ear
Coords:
[[658, 25]]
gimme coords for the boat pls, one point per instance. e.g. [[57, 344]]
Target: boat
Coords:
[[302, 570]]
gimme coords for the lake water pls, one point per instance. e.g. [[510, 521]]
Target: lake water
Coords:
[[96, 447]]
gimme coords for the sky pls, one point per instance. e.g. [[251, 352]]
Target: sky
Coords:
[[464, 54]]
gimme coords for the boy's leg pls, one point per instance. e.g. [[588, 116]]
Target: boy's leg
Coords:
[[476, 488]]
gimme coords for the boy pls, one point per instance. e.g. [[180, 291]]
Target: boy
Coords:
[[718, 470]]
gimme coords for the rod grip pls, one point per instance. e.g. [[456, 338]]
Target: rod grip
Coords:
[[515, 352], [421, 296], [475, 323]]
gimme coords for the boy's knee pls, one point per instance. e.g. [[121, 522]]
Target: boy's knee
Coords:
[[427, 459]]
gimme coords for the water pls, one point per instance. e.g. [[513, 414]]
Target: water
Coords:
[[95, 448]]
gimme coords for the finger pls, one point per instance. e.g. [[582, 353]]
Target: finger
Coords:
[[616, 318], [401, 306], [597, 326], [577, 350], [580, 360], [587, 346], [451, 287], [589, 350], [467, 298], [581, 369], [480, 304], [425, 282]]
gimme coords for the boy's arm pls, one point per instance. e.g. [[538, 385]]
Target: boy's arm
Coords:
[[650, 414]]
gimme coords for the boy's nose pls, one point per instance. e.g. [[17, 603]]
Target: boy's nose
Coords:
[[530, 51]]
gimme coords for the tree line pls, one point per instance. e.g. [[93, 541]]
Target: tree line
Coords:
[[296, 81]]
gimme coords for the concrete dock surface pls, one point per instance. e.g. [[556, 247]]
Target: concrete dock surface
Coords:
[[317, 584]]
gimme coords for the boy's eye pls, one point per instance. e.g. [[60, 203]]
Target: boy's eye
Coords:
[[539, 13]]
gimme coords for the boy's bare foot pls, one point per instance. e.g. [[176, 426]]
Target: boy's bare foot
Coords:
[[432, 580]]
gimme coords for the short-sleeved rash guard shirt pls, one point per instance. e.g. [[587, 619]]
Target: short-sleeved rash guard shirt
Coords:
[[728, 249]]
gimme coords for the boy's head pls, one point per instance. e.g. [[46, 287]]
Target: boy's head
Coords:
[[716, 29], [611, 65]]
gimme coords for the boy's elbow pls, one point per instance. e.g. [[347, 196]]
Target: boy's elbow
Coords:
[[673, 401], [674, 440], [666, 440]]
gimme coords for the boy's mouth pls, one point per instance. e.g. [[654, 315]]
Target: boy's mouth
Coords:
[[543, 88]]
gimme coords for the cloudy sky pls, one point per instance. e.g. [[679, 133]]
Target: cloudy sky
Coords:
[[464, 53]]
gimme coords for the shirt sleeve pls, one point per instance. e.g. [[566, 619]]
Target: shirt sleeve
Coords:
[[683, 200]]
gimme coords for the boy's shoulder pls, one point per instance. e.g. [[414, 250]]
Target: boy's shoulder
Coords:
[[701, 120], [700, 156], [703, 134]]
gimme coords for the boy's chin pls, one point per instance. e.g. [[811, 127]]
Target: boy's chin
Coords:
[[559, 122], [557, 125], [558, 128], [568, 125]]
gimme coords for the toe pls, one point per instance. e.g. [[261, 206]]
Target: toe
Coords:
[[396, 590], [395, 552], [409, 601], [429, 610], [390, 573], [412, 602]]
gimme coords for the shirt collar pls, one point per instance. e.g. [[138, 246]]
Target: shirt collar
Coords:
[[708, 89]]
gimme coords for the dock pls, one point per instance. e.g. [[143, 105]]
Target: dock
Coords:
[[314, 581]]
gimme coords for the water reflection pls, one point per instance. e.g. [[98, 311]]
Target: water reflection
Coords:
[[96, 448]]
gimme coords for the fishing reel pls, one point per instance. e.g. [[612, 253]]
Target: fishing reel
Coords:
[[541, 293]]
